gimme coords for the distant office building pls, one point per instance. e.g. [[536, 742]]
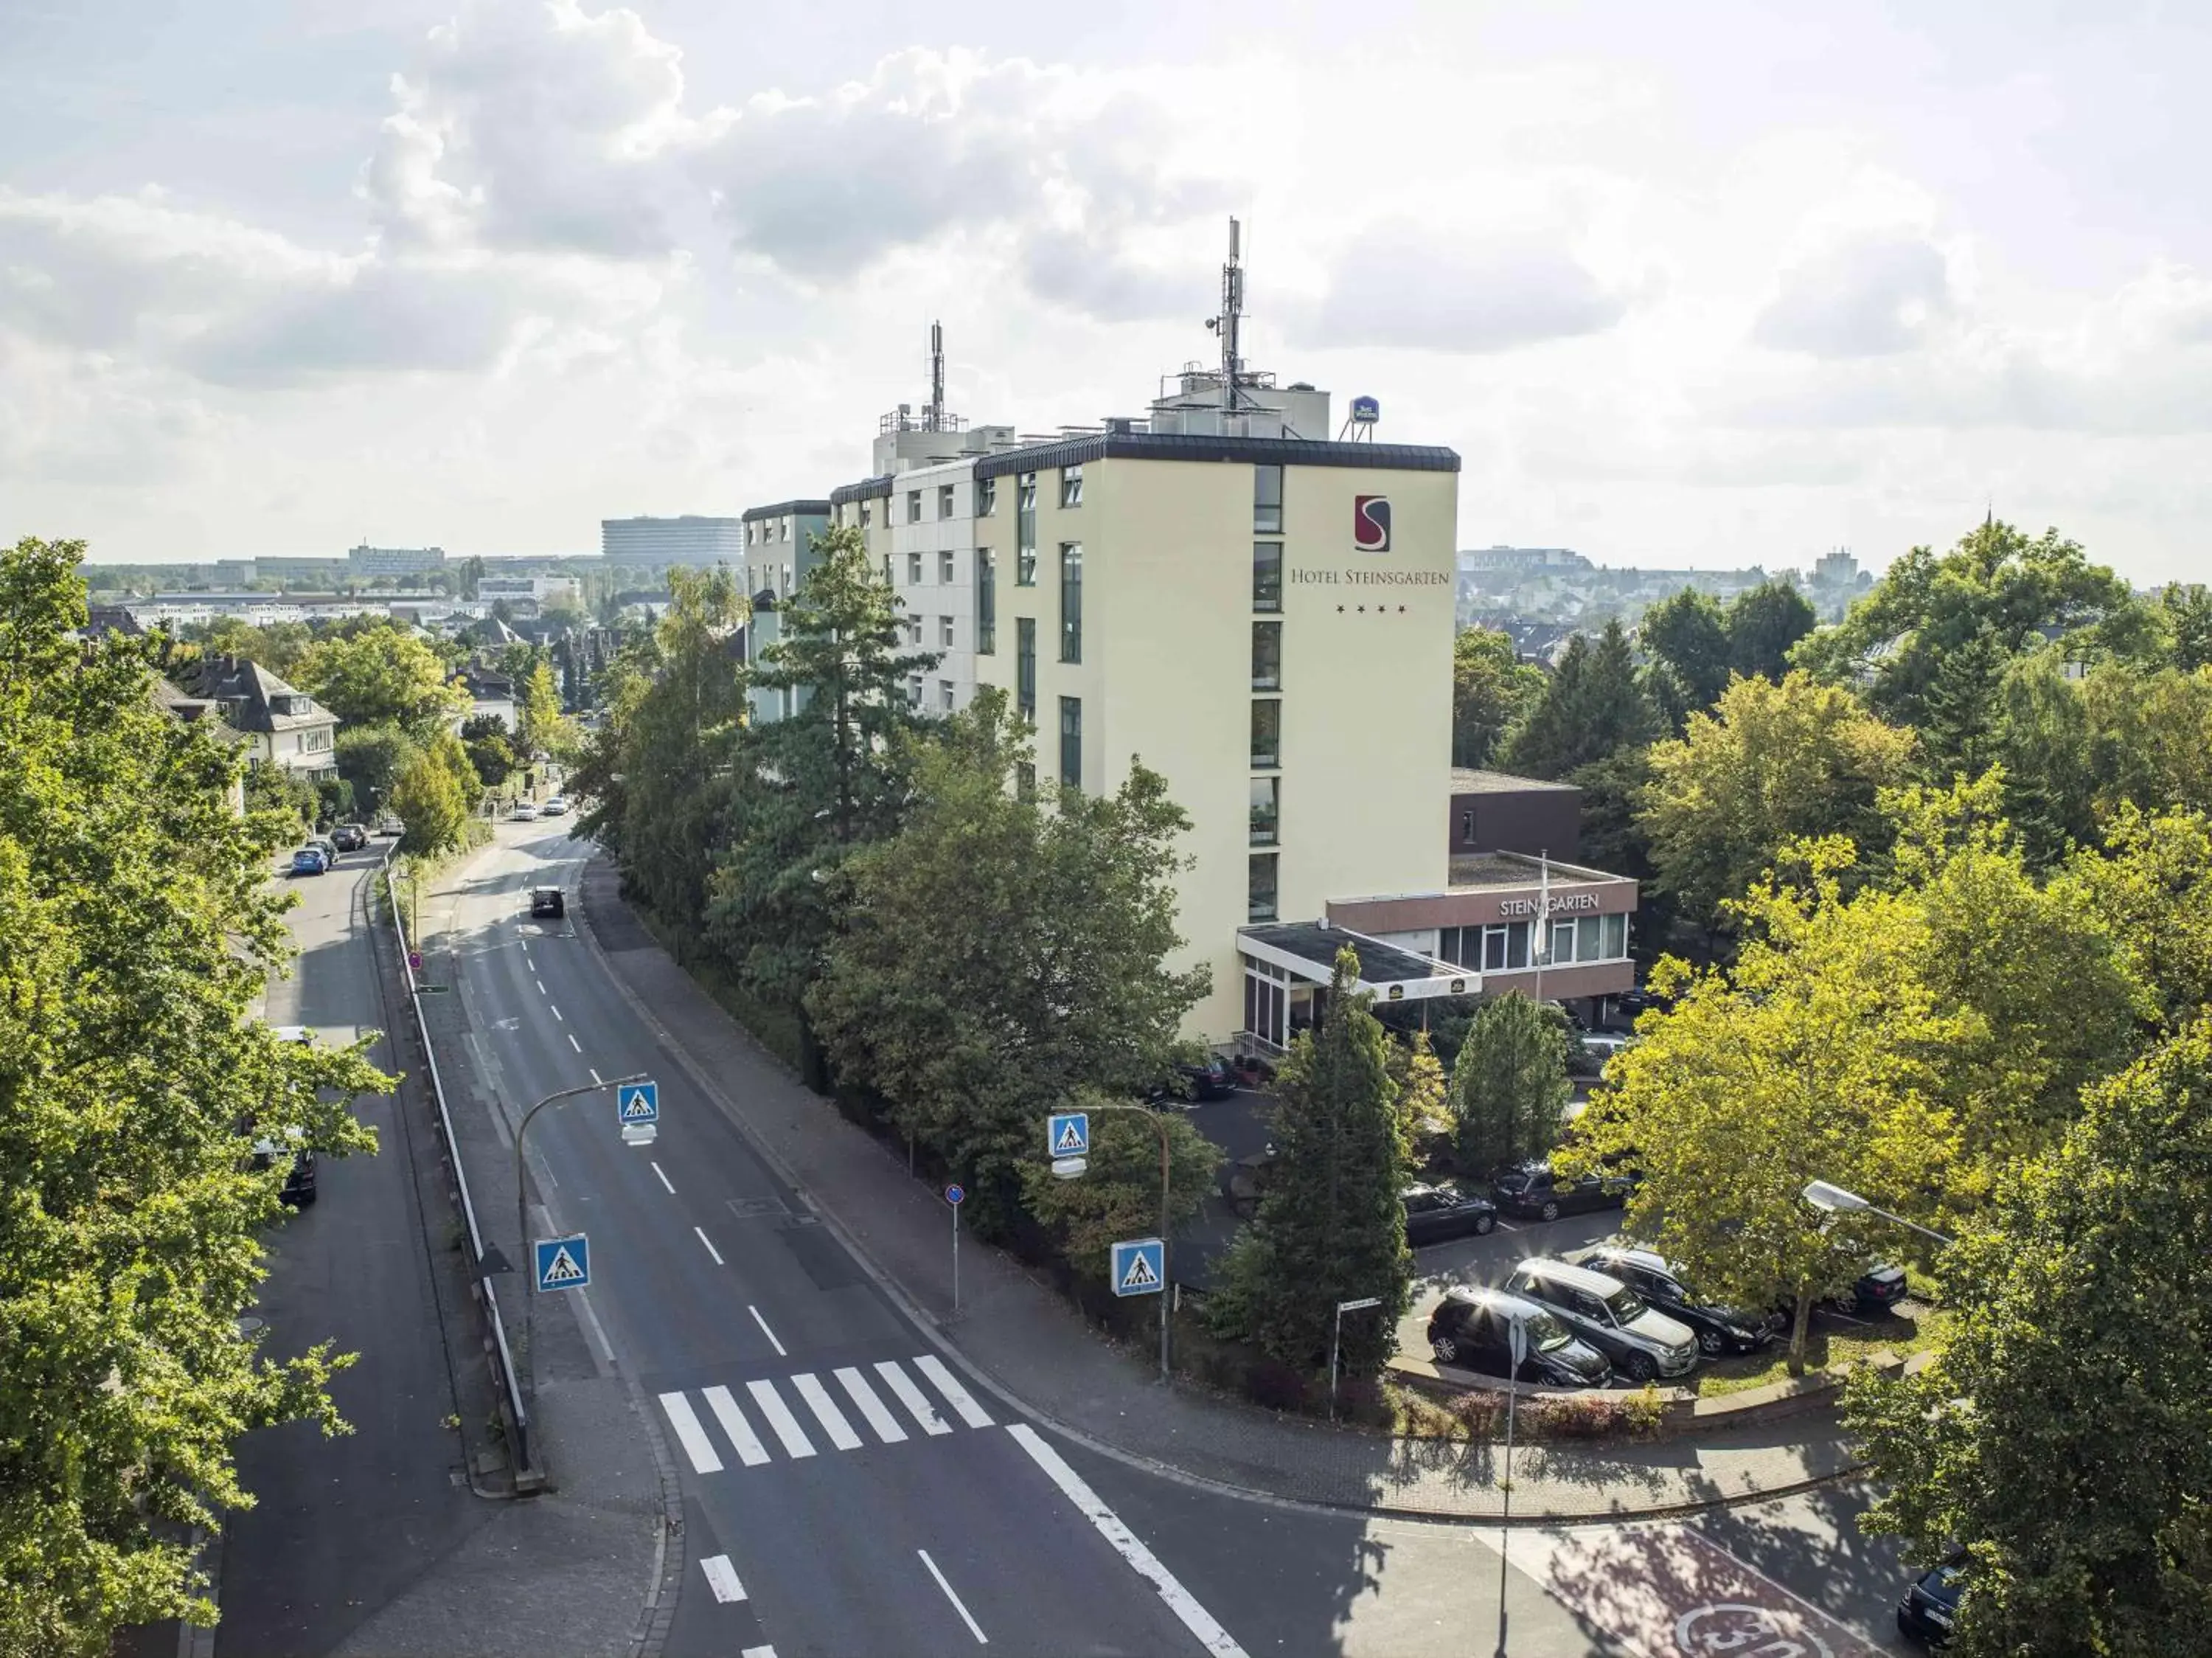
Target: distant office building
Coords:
[[540, 590], [324, 573], [689, 540], [365, 563], [1520, 561]]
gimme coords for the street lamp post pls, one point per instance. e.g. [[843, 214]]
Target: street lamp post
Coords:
[[1835, 1200], [521, 1214], [1517, 1346]]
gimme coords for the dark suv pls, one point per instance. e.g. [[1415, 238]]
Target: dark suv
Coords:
[[1473, 1328], [1718, 1329], [1930, 1607], [1533, 1191], [1434, 1213], [549, 902]]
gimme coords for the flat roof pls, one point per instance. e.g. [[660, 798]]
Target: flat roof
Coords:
[[1178, 446], [1475, 871], [1471, 780], [786, 509], [1309, 949]]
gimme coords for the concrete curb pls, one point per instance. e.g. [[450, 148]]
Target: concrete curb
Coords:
[[933, 1327]]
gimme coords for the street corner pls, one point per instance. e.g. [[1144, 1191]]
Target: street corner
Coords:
[[1667, 1591]]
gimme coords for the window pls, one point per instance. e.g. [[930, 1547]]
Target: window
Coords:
[[1070, 486], [1025, 533], [987, 603], [1267, 733], [1266, 809], [1616, 937], [783, 531], [865, 515], [1267, 656], [914, 569], [914, 692], [986, 497], [944, 695], [944, 630], [1070, 741], [1268, 499], [913, 506], [314, 742], [1589, 932], [914, 630], [752, 534], [1562, 945], [887, 570], [1266, 576], [945, 500], [1071, 601], [1260, 900], [1025, 666], [945, 568]]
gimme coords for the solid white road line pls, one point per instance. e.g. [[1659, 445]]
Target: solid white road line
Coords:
[[751, 1451], [973, 1628], [722, 1578], [940, 1377], [664, 1180], [885, 1425], [690, 1435], [574, 1043], [709, 1243], [916, 1402], [771, 1406], [770, 1333], [826, 1412], [757, 1652], [1194, 1618]]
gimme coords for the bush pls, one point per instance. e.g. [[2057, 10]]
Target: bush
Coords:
[[1274, 1385], [1480, 1416]]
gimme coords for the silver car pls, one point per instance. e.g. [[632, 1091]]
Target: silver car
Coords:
[[1642, 1343]]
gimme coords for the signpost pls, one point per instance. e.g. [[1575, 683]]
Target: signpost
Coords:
[[955, 1195], [1067, 1142], [1336, 1338], [1139, 1267], [637, 1104], [564, 1263], [1067, 1134], [1517, 1344]]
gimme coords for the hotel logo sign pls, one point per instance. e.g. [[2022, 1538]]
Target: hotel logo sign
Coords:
[[1371, 523], [1567, 901]]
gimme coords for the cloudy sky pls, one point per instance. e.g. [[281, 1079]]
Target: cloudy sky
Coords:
[[1698, 283]]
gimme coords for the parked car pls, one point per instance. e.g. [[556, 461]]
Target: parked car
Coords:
[[1930, 1605], [1532, 1189], [1877, 1289], [549, 902], [310, 860], [523, 812], [1641, 1343], [349, 837], [388, 826], [1719, 1329], [555, 806], [1474, 1328], [1434, 1213], [328, 847], [1211, 1078], [300, 1180]]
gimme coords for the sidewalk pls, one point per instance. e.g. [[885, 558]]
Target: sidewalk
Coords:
[[1022, 1337]]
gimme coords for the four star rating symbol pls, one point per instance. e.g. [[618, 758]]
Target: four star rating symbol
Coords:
[[1380, 610]]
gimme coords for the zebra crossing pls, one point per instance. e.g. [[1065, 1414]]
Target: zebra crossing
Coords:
[[872, 1393]]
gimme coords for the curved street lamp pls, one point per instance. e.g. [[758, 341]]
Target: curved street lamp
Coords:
[[1835, 1200]]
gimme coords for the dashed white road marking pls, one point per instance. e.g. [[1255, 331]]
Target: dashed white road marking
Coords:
[[722, 1578], [765, 1331], [786, 1425], [709, 1243], [751, 1451], [973, 1628], [885, 1425], [664, 1180], [956, 1396], [596, 1079], [916, 1402], [574, 1043], [689, 1434], [826, 1412], [555, 1006], [541, 985], [1124, 1542]]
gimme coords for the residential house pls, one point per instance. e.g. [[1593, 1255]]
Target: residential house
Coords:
[[284, 725]]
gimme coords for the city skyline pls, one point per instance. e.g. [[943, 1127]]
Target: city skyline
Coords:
[[273, 280]]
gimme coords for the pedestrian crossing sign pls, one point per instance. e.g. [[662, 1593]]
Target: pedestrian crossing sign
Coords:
[[1067, 1134], [1139, 1267], [638, 1102], [564, 1263]]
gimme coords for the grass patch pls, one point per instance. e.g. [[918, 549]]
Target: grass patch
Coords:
[[1825, 1348]]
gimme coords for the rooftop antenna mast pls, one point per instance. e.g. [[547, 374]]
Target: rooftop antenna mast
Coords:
[[1227, 325], [932, 417]]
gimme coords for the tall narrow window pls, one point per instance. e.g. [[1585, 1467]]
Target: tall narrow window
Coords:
[[1268, 499], [1267, 733], [865, 514], [1260, 904], [1025, 666], [1266, 576], [945, 631], [987, 603], [986, 497], [914, 569], [1070, 486], [1070, 741], [1267, 656], [1266, 809], [1025, 532], [1071, 601], [944, 695], [945, 500], [945, 568], [914, 692], [913, 506]]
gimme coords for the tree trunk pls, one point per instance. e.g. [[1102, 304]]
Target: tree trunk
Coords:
[[1798, 1326]]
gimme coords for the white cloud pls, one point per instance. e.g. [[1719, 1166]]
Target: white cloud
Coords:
[[1396, 286], [1868, 297]]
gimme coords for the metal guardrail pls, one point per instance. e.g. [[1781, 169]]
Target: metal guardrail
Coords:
[[517, 1415]]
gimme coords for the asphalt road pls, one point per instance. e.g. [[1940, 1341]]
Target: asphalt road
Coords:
[[841, 1498], [341, 1527]]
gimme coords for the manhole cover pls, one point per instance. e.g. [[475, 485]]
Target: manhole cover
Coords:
[[758, 1209]]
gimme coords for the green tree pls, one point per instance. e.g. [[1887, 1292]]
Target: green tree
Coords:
[[137, 926], [992, 955], [2045, 744], [276, 646], [1421, 1095], [1690, 635], [2152, 737], [1491, 687], [1331, 1225], [542, 728], [372, 758], [1765, 623], [380, 676], [830, 776], [289, 802], [1508, 1086], [1119, 1196], [1593, 707], [2149, 891], [2061, 1432], [484, 738], [2185, 612], [600, 779], [434, 812], [1771, 765]]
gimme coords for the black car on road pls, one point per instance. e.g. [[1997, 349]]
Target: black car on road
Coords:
[[1434, 1213], [549, 902], [348, 838], [1473, 1328], [1532, 1189], [1719, 1329], [1930, 1607]]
